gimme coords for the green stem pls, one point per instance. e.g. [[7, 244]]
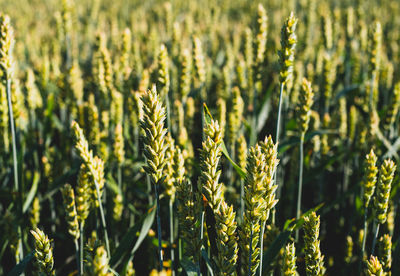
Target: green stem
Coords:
[[375, 238], [171, 235], [200, 266], [150, 198], [202, 101], [160, 259], [241, 199], [250, 249], [262, 245], [15, 162], [363, 242], [278, 122], [103, 219], [253, 132], [77, 257], [300, 183], [365, 234], [278, 127], [81, 250]]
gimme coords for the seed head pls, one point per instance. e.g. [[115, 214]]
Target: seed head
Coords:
[[71, 215], [43, 252], [155, 145], [288, 45], [381, 199], [289, 261], [313, 257]]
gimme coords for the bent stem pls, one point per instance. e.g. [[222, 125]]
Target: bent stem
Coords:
[[300, 183]]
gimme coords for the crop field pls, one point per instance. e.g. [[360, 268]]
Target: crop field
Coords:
[[213, 137]]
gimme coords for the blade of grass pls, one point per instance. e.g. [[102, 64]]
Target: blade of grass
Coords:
[[130, 242]]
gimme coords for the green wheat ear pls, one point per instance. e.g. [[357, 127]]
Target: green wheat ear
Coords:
[[288, 45], [313, 257], [260, 41], [94, 164], [199, 62], [382, 194], [370, 177], [185, 79], [154, 134], [163, 83], [289, 261], [304, 107], [119, 152], [235, 115], [349, 249], [71, 214], [255, 208], [169, 186], [210, 174], [385, 252], [43, 252], [83, 194], [393, 109], [226, 239], [100, 262]]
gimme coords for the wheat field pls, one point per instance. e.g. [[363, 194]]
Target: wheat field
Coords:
[[206, 137]]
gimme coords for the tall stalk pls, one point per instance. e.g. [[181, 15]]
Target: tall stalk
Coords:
[[300, 182], [15, 167], [160, 256], [278, 121], [6, 64], [303, 114], [15, 162], [250, 249], [171, 235], [81, 250], [365, 234], [103, 219], [77, 257], [375, 238], [286, 60], [263, 223]]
